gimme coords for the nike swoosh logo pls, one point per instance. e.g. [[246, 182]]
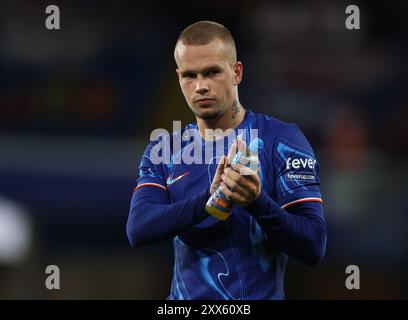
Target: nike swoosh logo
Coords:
[[171, 180]]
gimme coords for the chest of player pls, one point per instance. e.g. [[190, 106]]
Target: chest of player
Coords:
[[183, 181]]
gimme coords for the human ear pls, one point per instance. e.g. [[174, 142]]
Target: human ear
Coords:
[[238, 72]]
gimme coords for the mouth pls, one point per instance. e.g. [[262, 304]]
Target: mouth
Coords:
[[204, 101]]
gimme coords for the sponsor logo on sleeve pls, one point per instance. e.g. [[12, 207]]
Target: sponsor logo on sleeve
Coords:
[[300, 169], [300, 163]]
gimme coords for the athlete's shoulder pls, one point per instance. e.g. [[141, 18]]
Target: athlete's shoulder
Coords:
[[273, 127], [164, 137]]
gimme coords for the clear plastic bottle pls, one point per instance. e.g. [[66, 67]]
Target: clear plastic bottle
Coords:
[[218, 205]]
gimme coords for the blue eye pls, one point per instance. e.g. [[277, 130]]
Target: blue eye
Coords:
[[188, 75], [213, 72]]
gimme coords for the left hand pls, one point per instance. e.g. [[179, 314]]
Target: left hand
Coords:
[[241, 184]]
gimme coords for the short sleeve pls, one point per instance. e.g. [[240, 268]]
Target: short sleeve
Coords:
[[150, 173], [296, 168]]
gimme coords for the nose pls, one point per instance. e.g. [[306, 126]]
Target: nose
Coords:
[[202, 85]]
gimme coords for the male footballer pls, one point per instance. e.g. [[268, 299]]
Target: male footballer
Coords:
[[277, 210]]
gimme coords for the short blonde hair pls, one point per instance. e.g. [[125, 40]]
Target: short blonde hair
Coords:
[[204, 32]]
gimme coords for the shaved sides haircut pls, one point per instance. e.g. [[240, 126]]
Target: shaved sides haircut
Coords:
[[204, 32]]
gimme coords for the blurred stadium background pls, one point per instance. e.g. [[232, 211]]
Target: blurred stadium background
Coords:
[[77, 107]]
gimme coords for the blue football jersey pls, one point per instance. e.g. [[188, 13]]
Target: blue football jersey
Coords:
[[232, 259]]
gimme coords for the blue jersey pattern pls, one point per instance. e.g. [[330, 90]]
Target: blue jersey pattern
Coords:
[[233, 259]]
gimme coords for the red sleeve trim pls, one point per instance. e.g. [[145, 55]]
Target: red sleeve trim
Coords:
[[302, 200], [150, 184]]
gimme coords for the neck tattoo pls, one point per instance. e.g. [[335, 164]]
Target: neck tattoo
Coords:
[[236, 108]]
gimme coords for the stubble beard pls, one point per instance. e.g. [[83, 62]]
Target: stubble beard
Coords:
[[207, 115]]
